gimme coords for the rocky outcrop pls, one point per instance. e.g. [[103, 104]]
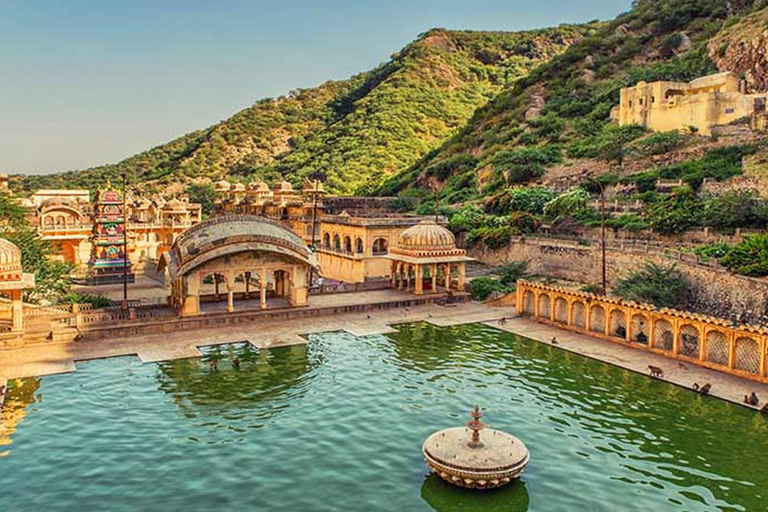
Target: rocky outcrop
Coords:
[[743, 49]]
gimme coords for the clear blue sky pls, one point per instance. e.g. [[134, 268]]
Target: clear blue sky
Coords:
[[88, 82]]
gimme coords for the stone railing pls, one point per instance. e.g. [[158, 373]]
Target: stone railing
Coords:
[[707, 341], [116, 315]]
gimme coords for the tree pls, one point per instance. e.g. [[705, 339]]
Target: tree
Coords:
[[662, 286], [204, 194]]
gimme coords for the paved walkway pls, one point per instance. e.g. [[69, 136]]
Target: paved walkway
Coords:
[[60, 358]]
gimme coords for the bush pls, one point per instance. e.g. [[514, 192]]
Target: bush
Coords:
[[482, 287], [662, 286], [520, 199], [94, 299], [660, 142], [749, 257], [567, 204], [735, 210], [511, 272], [676, 213]]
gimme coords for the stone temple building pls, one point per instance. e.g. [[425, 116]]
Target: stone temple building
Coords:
[[253, 257], [703, 104], [13, 281]]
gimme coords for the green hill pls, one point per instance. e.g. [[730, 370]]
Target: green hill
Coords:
[[358, 131], [558, 116]]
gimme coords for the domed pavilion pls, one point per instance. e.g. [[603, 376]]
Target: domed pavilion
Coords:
[[252, 256], [13, 280], [426, 258]]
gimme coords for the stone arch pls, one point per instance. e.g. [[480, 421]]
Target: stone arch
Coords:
[[597, 319], [561, 310], [336, 242], [640, 328], [544, 305], [380, 246], [579, 313], [359, 247], [717, 347], [747, 355], [690, 341], [327, 240], [663, 334], [618, 324], [347, 244], [529, 301]]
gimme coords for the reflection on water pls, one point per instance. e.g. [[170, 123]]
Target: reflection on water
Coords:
[[338, 425], [238, 375], [19, 395], [443, 497]]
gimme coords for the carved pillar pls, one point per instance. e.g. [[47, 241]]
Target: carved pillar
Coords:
[[230, 296], [763, 343], [17, 311], [419, 282], [462, 275], [676, 337], [263, 288], [731, 349], [216, 286], [247, 285], [433, 271]]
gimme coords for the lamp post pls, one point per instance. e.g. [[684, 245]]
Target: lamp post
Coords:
[[125, 243], [316, 178], [602, 236]]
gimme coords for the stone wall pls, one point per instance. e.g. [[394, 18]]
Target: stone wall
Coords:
[[716, 292]]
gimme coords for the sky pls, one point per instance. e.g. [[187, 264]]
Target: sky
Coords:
[[86, 82]]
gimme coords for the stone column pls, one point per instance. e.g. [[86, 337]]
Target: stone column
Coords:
[[462, 276], [247, 285], [216, 289], [419, 284], [190, 296], [230, 298], [763, 344], [263, 289], [433, 271], [17, 311]]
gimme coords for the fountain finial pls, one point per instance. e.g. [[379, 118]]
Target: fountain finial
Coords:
[[476, 426]]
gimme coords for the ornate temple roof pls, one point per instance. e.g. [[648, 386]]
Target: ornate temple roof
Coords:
[[222, 185], [284, 186], [427, 242], [11, 273], [175, 205], [232, 234], [238, 187], [259, 186]]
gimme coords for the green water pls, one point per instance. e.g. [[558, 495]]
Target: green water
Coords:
[[338, 425]]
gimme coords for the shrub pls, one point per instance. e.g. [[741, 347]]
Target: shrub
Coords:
[[662, 286], [520, 199], [94, 299], [660, 142], [569, 203], [735, 210], [749, 257], [509, 273], [676, 213], [482, 287]]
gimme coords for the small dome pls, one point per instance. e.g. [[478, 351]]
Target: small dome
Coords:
[[426, 235], [222, 185], [174, 204], [283, 186], [258, 185], [10, 261], [238, 187]]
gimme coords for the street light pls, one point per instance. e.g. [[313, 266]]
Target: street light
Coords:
[[125, 243]]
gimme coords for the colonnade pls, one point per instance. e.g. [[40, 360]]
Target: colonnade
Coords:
[[411, 277]]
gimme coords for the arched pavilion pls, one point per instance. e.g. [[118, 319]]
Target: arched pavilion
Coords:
[[244, 250], [426, 257], [13, 281]]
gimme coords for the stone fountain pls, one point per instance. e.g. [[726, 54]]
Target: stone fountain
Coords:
[[463, 457]]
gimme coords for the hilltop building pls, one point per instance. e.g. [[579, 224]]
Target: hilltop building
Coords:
[[703, 103]]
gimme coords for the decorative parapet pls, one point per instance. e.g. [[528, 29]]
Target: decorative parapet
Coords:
[[705, 340]]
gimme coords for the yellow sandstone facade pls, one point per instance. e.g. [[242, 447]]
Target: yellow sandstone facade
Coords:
[[703, 103], [707, 341]]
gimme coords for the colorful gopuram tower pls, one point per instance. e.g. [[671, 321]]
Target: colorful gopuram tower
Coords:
[[109, 260]]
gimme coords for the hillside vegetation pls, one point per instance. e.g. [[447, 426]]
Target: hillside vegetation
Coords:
[[560, 112], [357, 131]]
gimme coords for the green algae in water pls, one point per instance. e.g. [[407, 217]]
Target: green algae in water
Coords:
[[338, 425]]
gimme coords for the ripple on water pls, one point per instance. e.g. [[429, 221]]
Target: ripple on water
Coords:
[[338, 425]]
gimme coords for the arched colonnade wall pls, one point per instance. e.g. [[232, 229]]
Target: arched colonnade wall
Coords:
[[707, 341]]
